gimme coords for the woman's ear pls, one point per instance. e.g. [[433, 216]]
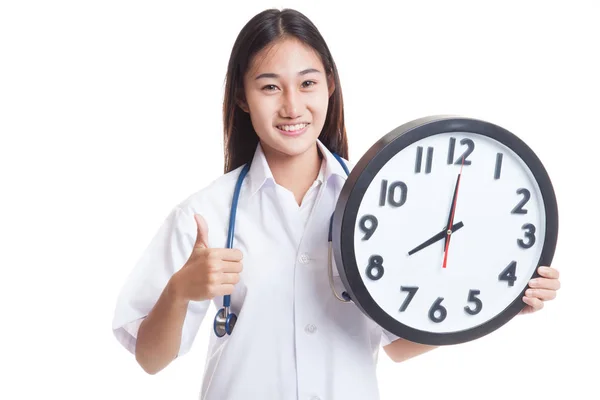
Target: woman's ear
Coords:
[[330, 83], [241, 102]]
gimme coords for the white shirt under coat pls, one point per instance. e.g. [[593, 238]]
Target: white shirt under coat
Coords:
[[293, 339]]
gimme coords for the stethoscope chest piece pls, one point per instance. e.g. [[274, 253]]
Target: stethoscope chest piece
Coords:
[[224, 322]]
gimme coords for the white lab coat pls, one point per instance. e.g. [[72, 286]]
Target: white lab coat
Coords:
[[293, 339]]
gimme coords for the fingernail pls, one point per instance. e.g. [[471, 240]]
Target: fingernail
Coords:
[[529, 293], [533, 282]]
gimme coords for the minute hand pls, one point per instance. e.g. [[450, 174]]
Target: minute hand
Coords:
[[439, 236], [451, 209]]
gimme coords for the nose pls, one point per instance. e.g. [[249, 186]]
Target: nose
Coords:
[[291, 105]]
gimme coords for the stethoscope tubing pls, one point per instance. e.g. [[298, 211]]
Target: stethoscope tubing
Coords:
[[236, 196]]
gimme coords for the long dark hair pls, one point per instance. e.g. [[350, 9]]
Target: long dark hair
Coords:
[[240, 138]]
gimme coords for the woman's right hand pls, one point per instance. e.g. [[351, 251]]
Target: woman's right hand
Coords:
[[207, 273]]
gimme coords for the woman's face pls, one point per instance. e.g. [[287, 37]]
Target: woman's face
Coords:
[[287, 94]]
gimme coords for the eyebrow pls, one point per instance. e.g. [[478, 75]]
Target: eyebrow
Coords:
[[301, 73]]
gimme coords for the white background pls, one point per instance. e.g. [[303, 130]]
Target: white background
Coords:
[[110, 114]]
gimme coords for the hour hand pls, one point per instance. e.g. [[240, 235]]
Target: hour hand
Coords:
[[437, 237]]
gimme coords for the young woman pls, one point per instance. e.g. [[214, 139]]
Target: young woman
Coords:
[[282, 115]]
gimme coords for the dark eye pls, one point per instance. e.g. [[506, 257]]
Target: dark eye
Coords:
[[312, 83], [269, 87]]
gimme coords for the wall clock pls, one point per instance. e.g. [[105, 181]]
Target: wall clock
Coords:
[[440, 226]]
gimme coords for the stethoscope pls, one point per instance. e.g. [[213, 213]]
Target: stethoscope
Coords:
[[225, 320]]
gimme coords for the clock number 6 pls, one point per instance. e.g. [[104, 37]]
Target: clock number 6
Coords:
[[375, 268], [437, 306]]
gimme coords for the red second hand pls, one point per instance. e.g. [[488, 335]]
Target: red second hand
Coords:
[[452, 217]]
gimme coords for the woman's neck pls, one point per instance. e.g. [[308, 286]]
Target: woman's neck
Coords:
[[297, 173]]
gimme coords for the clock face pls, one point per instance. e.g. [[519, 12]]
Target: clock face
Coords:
[[421, 282]]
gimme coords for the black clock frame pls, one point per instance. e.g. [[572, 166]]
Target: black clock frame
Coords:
[[361, 176]]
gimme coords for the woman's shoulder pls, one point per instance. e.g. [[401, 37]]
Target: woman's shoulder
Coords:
[[214, 197], [212, 202]]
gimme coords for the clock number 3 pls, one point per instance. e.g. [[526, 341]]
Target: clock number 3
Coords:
[[529, 235]]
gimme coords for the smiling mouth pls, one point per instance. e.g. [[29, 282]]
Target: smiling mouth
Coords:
[[292, 128]]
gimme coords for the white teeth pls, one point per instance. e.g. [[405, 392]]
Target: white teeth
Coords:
[[290, 128]]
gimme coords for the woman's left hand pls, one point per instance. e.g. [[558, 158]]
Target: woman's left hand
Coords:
[[542, 288]]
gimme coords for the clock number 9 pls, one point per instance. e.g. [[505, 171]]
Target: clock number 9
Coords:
[[529, 235], [368, 230], [437, 306], [375, 268]]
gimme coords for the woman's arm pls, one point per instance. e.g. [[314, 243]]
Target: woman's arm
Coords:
[[159, 336], [401, 349]]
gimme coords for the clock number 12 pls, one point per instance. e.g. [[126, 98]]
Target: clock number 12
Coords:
[[470, 147]]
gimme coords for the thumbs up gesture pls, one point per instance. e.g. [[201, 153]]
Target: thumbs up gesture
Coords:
[[208, 273]]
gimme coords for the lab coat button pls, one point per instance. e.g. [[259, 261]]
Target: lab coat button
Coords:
[[304, 258], [310, 328]]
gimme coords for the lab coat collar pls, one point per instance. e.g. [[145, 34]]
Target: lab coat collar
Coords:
[[260, 173], [332, 166]]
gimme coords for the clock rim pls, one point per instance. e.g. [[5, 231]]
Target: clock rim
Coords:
[[361, 176]]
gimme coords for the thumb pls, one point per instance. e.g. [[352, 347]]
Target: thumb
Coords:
[[202, 235]]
